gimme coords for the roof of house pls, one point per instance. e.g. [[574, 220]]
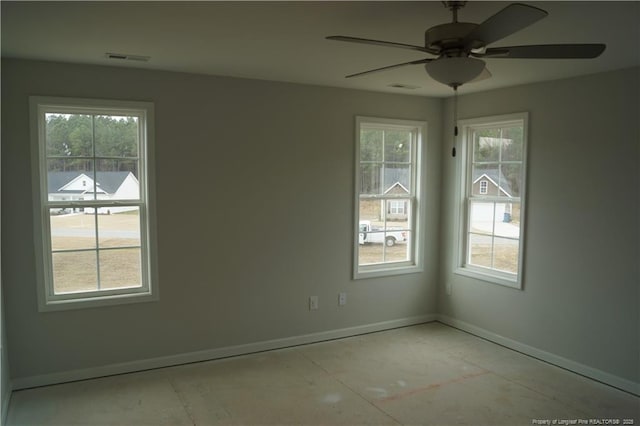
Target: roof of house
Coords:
[[394, 176], [496, 176], [107, 181]]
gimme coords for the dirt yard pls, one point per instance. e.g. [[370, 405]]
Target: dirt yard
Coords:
[[506, 257], [120, 262], [372, 253], [118, 254]]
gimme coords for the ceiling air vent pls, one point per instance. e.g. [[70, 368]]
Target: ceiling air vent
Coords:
[[127, 57]]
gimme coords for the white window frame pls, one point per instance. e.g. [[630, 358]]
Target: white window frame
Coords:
[[144, 111], [416, 211], [464, 192]]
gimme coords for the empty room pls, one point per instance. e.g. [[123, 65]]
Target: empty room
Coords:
[[251, 213]]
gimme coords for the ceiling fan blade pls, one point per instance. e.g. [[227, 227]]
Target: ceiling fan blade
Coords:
[[419, 61], [546, 51], [485, 74], [381, 43], [509, 20]]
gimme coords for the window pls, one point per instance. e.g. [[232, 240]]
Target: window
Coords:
[[397, 207], [484, 185], [92, 162], [492, 202], [388, 191]]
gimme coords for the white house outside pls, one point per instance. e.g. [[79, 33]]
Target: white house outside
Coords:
[[80, 185], [493, 183]]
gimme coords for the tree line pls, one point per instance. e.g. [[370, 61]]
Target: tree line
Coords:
[[71, 140], [377, 145], [499, 145]]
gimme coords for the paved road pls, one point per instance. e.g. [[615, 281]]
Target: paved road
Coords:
[[89, 233], [501, 229]]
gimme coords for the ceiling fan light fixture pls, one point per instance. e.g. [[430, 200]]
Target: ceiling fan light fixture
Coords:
[[454, 71]]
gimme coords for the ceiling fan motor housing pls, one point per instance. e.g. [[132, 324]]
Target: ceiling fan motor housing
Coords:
[[459, 45], [448, 39]]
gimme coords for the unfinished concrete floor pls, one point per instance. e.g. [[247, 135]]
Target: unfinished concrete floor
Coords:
[[429, 374]]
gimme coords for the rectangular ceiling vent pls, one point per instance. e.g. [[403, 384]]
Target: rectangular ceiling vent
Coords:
[[404, 86], [127, 57]]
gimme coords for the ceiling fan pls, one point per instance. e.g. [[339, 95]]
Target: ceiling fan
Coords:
[[459, 47]]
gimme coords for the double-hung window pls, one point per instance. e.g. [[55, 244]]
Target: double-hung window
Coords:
[[93, 227], [388, 191], [492, 202]]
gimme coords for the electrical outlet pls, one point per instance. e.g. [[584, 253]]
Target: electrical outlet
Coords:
[[313, 303], [342, 299]]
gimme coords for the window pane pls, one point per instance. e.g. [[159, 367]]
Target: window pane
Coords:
[[506, 254], [370, 252], [370, 177], [68, 135], [483, 217], [370, 145], [70, 179], [512, 143], [486, 145], [120, 268], [374, 235], [371, 211], [398, 213], [72, 229], [116, 136], [117, 180], [507, 220], [397, 250], [510, 180], [74, 271], [397, 179], [485, 176], [480, 250], [378, 245], [119, 226], [397, 146]]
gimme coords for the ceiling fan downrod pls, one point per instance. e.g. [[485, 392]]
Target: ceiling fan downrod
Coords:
[[453, 6]]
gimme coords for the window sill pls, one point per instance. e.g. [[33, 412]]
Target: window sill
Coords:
[[494, 277], [94, 302], [385, 271]]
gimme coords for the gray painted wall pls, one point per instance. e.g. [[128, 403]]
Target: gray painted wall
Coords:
[[581, 281], [254, 207], [5, 379], [5, 384]]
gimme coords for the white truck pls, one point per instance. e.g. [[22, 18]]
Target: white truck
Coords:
[[370, 234]]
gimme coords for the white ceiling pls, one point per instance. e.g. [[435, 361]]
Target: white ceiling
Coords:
[[285, 41]]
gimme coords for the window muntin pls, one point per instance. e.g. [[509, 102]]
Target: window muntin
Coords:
[[493, 188], [388, 194], [93, 180]]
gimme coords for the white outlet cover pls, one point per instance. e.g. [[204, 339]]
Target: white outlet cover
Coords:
[[342, 299], [313, 303]]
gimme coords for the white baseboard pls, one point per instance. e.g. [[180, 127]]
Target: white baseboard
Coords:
[[207, 355], [6, 398], [585, 370], [212, 354]]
